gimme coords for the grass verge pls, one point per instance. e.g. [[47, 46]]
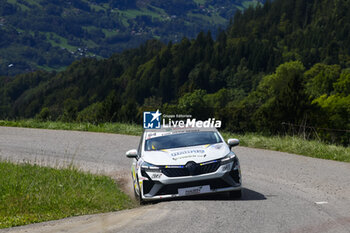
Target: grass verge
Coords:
[[119, 128], [295, 145], [31, 194]]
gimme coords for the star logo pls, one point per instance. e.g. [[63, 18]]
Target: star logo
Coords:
[[156, 115], [151, 120]]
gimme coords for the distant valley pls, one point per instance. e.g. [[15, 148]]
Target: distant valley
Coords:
[[51, 34]]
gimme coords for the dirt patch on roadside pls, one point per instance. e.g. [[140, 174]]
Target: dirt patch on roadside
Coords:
[[124, 180]]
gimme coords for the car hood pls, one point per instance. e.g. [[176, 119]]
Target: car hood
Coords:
[[180, 156]]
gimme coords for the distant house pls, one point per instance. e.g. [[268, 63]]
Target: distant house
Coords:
[[2, 21]]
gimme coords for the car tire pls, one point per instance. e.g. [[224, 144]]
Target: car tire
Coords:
[[235, 194], [138, 196], [140, 200], [135, 194]]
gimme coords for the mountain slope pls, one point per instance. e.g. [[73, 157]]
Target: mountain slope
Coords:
[[286, 62], [51, 34]]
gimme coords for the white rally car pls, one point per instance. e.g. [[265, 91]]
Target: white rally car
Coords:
[[182, 162]]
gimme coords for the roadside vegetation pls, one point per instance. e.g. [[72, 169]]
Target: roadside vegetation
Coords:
[[118, 128], [295, 145], [276, 69], [71, 30], [31, 194], [290, 144]]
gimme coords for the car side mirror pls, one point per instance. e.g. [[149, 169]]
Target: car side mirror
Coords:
[[131, 153], [232, 142]]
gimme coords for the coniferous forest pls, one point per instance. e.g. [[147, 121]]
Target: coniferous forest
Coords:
[[283, 67]]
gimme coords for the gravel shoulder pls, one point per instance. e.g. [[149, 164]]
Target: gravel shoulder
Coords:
[[282, 192]]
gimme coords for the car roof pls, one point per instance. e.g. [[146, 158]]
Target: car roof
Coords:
[[181, 129], [152, 133]]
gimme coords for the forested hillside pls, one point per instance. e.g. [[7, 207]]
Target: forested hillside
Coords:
[[51, 34], [277, 66]]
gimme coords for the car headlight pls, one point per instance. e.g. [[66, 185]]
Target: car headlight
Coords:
[[149, 167], [230, 157]]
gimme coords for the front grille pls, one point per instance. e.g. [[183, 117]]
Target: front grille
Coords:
[[173, 188], [209, 168], [196, 170], [175, 172]]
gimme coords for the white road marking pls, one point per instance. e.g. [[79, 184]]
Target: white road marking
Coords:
[[321, 202]]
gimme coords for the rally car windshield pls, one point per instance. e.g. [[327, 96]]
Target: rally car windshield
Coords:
[[182, 140]]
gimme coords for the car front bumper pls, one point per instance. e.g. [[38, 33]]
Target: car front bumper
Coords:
[[156, 185]]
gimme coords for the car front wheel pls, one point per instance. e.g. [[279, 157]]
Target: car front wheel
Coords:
[[138, 196]]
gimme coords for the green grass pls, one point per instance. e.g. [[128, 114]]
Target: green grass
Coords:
[[63, 42], [59, 41], [95, 6], [119, 128], [295, 144], [247, 4], [214, 19], [48, 68], [31, 194], [240, 8], [132, 14], [158, 10], [200, 2], [110, 33]]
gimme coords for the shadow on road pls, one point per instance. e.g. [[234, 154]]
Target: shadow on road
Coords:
[[251, 195], [247, 195]]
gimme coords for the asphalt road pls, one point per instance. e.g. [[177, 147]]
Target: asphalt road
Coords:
[[282, 192]]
